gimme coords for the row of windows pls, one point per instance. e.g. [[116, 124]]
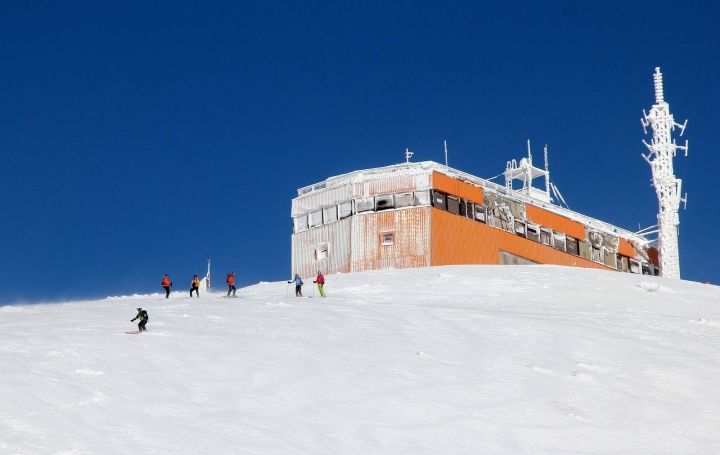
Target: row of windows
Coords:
[[531, 231], [345, 209]]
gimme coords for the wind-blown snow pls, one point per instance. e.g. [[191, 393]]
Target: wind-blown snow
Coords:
[[443, 360]]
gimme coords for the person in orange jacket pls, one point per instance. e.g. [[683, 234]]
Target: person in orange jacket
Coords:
[[166, 284], [195, 286], [320, 281], [230, 280]]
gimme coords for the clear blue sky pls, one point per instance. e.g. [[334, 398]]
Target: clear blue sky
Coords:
[[141, 138]]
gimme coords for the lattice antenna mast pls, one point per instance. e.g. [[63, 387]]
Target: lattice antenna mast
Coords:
[[662, 150]]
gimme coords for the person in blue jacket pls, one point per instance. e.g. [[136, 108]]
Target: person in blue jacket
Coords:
[[298, 285]]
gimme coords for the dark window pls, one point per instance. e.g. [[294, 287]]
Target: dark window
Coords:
[[439, 201], [469, 209], [646, 269], [384, 203], [572, 246], [387, 238], [453, 205], [533, 232]]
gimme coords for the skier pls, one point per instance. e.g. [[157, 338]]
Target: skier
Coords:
[[230, 280], [320, 280], [143, 317], [166, 284], [298, 285], [195, 286]]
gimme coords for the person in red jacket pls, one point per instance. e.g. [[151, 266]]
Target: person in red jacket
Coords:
[[320, 281], [230, 280], [166, 284]]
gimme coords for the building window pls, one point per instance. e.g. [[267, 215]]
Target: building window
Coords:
[[345, 209], [384, 203], [533, 232], [366, 204], [572, 245], [559, 241], [330, 214], [300, 223], [545, 236], [453, 205], [439, 201], [321, 252], [469, 209], [387, 238], [422, 198], [480, 213], [404, 200], [315, 218], [634, 266], [520, 228]]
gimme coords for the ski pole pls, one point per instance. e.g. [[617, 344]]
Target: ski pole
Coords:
[[287, 290]]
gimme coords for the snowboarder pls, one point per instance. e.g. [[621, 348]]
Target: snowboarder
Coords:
[[166, 284], [320, 280], [143, 317], [195, 286], [230, 280], [298, 285]]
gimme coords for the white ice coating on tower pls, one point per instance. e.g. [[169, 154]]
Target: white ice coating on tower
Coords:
[[668, 188]]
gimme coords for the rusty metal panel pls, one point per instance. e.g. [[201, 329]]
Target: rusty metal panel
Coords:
[[337, 238], [410, 229]]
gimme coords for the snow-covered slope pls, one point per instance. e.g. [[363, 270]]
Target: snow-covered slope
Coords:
[[449, 360]]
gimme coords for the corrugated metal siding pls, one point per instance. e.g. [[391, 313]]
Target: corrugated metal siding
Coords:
[[458, 240], [336, 235], [456, 187], [411, 247], [554, 221], [372, 185]]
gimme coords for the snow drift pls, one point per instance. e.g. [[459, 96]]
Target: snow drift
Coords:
[[444, 360]]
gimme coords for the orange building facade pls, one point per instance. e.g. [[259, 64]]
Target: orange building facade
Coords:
[[425, 214]]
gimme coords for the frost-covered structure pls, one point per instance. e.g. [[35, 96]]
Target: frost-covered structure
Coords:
[[427, 214], [662, 150]]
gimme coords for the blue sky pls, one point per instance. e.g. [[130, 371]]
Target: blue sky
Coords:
[[139, 139]]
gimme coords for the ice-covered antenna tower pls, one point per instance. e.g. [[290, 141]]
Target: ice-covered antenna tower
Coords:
[[663, 149]]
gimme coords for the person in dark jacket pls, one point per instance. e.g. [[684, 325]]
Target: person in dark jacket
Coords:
[[195, 286], [298, 285], [143, 317], [320, 281]]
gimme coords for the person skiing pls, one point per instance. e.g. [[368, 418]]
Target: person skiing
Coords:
[[298, 285], [230, 280], [195, 286], [143, 317], [320, 280], [166, 284]]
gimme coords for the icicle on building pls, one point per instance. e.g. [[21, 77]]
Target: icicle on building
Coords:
[[427, 214]]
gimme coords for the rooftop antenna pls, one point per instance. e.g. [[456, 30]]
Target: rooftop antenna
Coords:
[[662, 149], [445, 146], [408, 155], [547, 172]]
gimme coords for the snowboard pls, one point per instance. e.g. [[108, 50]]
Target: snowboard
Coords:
[[133, 332]]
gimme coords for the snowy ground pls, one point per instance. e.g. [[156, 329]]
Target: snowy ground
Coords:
[[450, 360]]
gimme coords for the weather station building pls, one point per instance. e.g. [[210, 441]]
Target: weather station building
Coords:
[[420, 214]]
